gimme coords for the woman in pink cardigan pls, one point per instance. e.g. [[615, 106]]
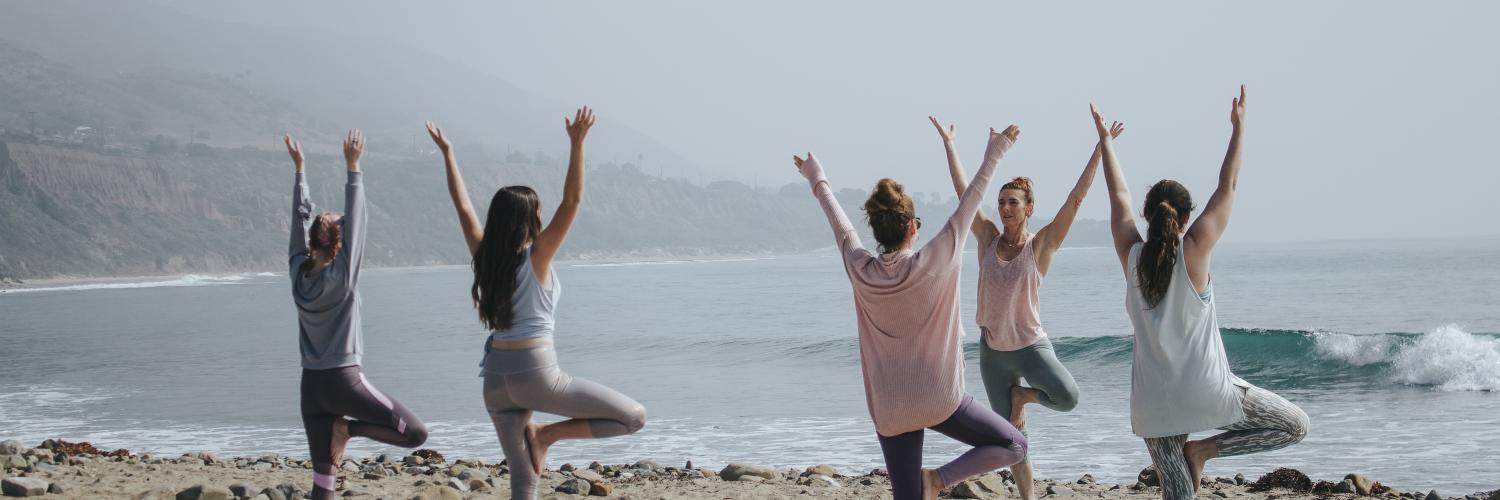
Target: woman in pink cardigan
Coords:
[[910, 338]]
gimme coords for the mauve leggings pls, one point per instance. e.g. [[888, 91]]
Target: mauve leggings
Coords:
[[996, 444], [344, 393], [518, 382]]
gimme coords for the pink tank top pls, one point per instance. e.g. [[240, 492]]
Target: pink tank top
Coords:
[[1010, 314]]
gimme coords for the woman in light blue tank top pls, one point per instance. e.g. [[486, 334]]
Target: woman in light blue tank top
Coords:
[[1180, 376], [515, 292]]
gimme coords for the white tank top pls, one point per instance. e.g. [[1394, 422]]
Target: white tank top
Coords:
[[1180, 378]]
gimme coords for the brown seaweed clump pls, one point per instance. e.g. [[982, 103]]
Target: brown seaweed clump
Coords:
[[1291, 479], [429, 455]]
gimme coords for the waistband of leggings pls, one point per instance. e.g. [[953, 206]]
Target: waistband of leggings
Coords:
[[517, 345]]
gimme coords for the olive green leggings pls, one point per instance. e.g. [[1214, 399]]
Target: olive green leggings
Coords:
[[1038, 365]]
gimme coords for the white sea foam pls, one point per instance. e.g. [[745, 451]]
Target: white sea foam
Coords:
[[1450, 359], [1357, 350], [1446, 358], [185, 280]]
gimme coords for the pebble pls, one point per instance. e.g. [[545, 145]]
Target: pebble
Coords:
[[734, 472], [23, 487], [205, 492], [1059, 491], [243, 490], [574, 486], [823, 469], [588, 475], [10, 447]]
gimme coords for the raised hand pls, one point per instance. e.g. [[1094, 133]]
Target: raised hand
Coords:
[[579, 126], [946, 133], [354, 146], [1099, 123], [295, 149], [438, 138], [1237, 109], [808, 166]]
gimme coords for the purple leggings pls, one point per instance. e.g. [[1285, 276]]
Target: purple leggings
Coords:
[[336, 393], [996, 444]]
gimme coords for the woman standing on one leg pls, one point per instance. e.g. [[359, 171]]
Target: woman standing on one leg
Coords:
[[324, 268], [516, 291], [1012, 263], [1180, 381], [910, 336]]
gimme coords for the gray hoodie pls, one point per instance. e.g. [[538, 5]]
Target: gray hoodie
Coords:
[[328, 301]]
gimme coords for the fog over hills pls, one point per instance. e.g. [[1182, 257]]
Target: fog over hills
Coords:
[[157, 155]]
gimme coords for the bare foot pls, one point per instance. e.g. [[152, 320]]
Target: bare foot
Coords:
[[932, 484], [1019, 396], [1197, 453], [339, 441], [537, 450]]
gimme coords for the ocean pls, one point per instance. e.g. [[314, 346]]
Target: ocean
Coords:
[[1391, 346]]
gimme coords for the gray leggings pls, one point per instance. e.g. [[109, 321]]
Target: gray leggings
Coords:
[[519, 382], [1271, 423], [1038, 364]]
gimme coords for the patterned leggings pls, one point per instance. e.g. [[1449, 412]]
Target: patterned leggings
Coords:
[[1271, 423]]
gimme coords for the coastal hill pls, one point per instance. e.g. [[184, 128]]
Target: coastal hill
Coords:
[[161, 171]]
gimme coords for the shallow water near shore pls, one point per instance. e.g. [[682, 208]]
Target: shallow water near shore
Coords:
[[1390, 346]]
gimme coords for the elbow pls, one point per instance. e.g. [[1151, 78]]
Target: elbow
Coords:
[[572, 200]]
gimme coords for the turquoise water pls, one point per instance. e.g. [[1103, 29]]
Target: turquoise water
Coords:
[[1390, 346]]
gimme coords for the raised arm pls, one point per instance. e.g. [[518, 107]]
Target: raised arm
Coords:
[[355, 215], [1121, 221], [843, 232], [551, 239], [949, 241], [1051, 236], [983, 228], [301, 206], [1203, 234], [467, 219]]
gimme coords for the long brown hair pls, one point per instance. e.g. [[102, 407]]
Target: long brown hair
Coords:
[[512, 222], [1166, 203], [889, 211], [324, 239]]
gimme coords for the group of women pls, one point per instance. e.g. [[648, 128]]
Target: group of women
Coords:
[[906, 308]]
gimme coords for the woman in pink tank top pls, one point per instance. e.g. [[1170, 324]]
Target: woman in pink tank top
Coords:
[[1012, 262]]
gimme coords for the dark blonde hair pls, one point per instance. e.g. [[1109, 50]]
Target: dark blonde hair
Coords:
[[1022, 183], [889, 211], [1166, 203], [324, 239]]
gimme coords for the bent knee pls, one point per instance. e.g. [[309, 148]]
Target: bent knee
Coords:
[[635, 419], [1064, 400], [1019, 445], [1300, 425], [416, 434]]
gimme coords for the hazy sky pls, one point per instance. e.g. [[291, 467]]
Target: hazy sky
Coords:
[[1365, 119]]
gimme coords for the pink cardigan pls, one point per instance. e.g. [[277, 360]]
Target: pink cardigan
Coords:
[[906, 304]]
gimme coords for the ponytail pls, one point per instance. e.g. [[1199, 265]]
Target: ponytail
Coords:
[[1166, 202]]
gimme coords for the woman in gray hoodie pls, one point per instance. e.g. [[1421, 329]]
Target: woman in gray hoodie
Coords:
[[337, 401]]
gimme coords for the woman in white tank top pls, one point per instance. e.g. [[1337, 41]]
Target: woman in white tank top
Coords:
[[1180, 379], [1012, 262]]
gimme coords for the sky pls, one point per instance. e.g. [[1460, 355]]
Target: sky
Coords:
[[1364, 119]]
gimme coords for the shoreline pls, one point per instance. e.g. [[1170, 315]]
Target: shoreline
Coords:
[[59, 469], [9, 284]]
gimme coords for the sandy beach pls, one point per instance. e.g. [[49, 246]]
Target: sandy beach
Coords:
[[58, 469]]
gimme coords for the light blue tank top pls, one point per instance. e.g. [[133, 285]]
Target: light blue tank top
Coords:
[[531, 305]]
